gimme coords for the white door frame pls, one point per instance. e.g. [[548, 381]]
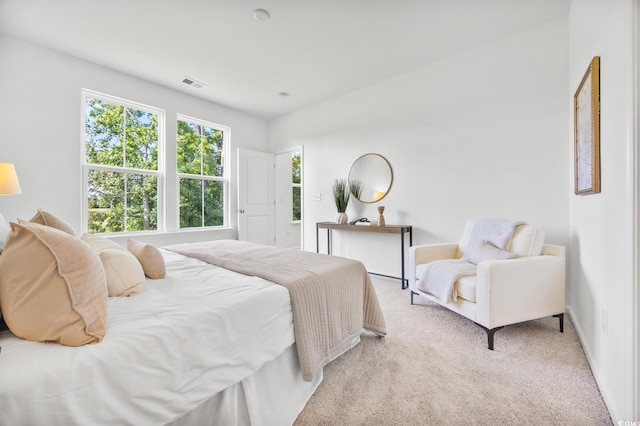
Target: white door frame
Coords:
[[635, 202], [279, 221]]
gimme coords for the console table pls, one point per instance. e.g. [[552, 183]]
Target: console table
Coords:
[[387, 229]]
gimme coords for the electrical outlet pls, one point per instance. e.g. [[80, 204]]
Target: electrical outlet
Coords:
[[604, 321], [317, 196]]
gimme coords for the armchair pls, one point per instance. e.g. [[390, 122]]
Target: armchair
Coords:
[[502, 292]]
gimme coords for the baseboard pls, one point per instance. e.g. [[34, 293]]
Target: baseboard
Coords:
[[588, 353]]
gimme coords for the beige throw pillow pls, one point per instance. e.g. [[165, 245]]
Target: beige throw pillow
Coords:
[[52, 287], [46, 218], [149, 257], [124, 273]]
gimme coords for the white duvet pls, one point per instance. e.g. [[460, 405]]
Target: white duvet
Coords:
[[166, 351]]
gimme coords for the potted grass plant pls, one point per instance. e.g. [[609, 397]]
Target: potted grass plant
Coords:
[[340, 195], [341, 192]]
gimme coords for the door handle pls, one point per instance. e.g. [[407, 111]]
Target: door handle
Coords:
[[241, 211]]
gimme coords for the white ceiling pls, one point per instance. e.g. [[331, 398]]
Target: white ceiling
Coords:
[[312, 49]]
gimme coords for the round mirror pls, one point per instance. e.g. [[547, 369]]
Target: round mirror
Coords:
[[375, 176]]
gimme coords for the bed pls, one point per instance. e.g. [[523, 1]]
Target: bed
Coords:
[[204, 345]]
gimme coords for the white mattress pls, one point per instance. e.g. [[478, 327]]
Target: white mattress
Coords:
[[166, 351]]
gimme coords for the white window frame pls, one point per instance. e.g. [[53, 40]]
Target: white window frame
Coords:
[[226, 134], [160, 173]]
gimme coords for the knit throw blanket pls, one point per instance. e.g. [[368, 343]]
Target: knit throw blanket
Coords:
[[332, 298], [439, 277]]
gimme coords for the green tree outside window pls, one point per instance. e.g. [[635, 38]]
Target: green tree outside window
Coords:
[[121, 158], [200, 164], [296, 173]]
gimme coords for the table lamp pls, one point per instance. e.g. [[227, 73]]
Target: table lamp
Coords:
[[9, 184]]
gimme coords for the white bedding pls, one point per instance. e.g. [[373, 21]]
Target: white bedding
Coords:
[[224, 327]]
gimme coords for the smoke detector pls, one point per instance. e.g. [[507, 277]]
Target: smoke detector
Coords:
[[261, 15], [192, 82]]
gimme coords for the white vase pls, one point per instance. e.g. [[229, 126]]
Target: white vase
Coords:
[[342, 217]]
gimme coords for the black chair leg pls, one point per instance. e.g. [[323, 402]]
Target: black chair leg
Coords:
[[561, 318], [490, 334], [412, 293]]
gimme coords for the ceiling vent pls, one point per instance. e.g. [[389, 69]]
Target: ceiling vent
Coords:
[[191, 82]]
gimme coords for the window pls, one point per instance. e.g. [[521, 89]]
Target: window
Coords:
[[296, 186], [202, 173], [122, 173], [123, 153]]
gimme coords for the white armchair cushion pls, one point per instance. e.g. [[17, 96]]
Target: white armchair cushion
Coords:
[[466, 287]]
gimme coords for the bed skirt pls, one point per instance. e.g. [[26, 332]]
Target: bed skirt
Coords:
[[274, 395]]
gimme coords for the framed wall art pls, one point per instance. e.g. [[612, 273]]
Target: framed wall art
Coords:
[[586, 109]]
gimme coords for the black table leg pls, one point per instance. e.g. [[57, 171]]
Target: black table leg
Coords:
[[404, 283]]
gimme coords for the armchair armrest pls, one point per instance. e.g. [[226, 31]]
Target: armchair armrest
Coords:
[[516, 290], [428, 253]]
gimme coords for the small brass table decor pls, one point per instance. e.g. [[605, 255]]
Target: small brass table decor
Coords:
[[381, 217]]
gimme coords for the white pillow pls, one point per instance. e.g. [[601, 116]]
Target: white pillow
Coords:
[[125, 276], [4, 231]]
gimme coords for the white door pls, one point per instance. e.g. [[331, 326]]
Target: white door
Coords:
[[256, 197]]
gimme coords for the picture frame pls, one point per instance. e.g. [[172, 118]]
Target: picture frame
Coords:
[[586, 109]]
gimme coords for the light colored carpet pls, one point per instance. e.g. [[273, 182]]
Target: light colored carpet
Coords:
[[434, 368]]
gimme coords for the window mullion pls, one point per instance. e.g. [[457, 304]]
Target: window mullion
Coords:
[[125, 202], [202, 222], [202, 202], [119, 169], [124, 164], [124, 137], [201, 150], [205, 177]]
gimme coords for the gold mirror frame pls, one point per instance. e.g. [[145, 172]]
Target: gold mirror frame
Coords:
[[375, 174]]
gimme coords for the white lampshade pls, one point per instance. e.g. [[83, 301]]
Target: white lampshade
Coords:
[[9, 184]]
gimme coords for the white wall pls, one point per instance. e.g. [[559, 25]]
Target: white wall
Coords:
[[483, 133], [40, 128], [634, 354], [601, 253]]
